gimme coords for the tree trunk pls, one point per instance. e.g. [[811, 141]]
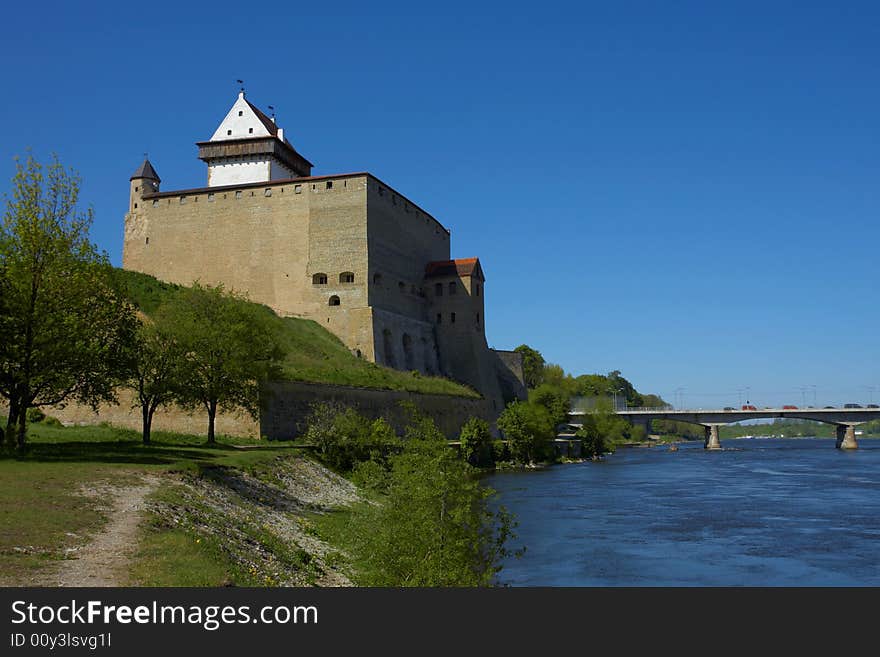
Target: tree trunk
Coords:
[[22, 426], [212, 413], [11, 421], [147, 413]]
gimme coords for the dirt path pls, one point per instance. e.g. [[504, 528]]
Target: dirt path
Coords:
[[104, 561]]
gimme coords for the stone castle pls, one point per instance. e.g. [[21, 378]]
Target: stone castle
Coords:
[[345, 250]]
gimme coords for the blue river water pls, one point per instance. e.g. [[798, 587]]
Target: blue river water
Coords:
[[760, 512]]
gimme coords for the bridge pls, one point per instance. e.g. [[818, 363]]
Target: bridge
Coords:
[[845, 419]]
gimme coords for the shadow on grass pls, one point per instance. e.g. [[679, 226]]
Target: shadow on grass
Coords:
[[116, 452]]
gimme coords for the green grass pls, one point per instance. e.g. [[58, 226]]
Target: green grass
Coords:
[[313, 353], [42, 512]]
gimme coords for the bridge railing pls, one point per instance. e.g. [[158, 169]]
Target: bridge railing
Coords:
[[628, 409]]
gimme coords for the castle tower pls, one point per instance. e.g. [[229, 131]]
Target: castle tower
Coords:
[[248, 147], [144, 180]]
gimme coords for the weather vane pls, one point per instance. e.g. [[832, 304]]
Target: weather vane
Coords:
[[272, 109], [241, 82]]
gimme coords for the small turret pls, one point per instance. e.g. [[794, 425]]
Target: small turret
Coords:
[[144, 180]]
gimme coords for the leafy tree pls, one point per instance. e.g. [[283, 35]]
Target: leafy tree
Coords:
[[529, 429], [155, 369], [434, 527], [344, 438], [533, 365], [555, 399], [476, 443], [230, 348], [64, 329], [593, 444]]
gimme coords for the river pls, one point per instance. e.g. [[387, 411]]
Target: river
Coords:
[[761, 512]]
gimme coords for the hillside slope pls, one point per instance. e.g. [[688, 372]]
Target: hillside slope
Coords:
[[313, 354]]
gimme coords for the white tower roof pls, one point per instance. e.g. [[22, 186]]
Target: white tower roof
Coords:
[[244, 120]]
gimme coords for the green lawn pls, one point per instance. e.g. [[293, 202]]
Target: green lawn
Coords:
[[313, 353], [42, 511]]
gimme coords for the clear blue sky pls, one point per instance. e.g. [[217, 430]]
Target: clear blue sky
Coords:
[[685, 192]]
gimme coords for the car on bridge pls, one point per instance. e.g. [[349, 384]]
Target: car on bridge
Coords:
[[851, 406], [829, 407], [729, 408], [789, 407], [749, 407]]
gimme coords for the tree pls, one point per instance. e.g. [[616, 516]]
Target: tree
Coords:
[[476, 443], [64, 329], [230, 348], [529, 429], [556, 400], [434, 527], [154, 366], [533, 365]]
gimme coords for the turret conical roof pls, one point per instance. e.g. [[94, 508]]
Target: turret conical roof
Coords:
[[146, 170]]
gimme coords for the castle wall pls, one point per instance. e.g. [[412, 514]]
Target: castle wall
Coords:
[[266, 240], [508, 365], [287, 409], [402, 239], [240, 171]]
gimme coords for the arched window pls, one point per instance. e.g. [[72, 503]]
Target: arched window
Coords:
[[377, 279], [319, 279], [438, 289], [346, 277], [334, 300], [452, 287]]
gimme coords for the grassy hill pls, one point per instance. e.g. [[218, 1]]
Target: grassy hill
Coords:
[[313, 353]]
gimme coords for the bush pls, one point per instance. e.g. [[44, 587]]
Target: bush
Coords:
[[344, 437], [500, 452], [35, 414], [476, 443], [529, 430], [52, 421]]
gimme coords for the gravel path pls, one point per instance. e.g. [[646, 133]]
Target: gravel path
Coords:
[[104, 561]]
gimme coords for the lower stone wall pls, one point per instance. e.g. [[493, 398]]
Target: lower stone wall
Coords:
[[287, 409], [290, 404]]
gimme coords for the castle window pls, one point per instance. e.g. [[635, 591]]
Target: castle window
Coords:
[[452, 317], [237, 194], [210, 197], [439, 318], [268, 192], [250, 131], [147, 241], [377, 279], [334, 300], [346, 277], [182, 200], [452, 287], [135, 206], [438, 289], [329, 184], [297, 189], [228, 132], [137, 189], [477, 289], [240, 113], [319, 279], [155, 204]]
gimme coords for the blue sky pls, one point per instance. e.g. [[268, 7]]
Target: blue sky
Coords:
[[687, 192]]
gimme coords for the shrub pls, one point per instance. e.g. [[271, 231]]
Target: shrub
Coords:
[[344, 437], [35, 414], [476, 443], [529, 430], [52, 421]]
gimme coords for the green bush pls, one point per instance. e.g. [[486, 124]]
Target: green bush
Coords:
[[344, 438], [52, 421], [529, 430], [476, 443], [35, 415], [500, 452]]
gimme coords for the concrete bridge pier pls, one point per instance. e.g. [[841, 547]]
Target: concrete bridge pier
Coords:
[[712, 439], [846, 436]]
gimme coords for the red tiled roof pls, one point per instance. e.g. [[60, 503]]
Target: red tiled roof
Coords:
[[458, 267]]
